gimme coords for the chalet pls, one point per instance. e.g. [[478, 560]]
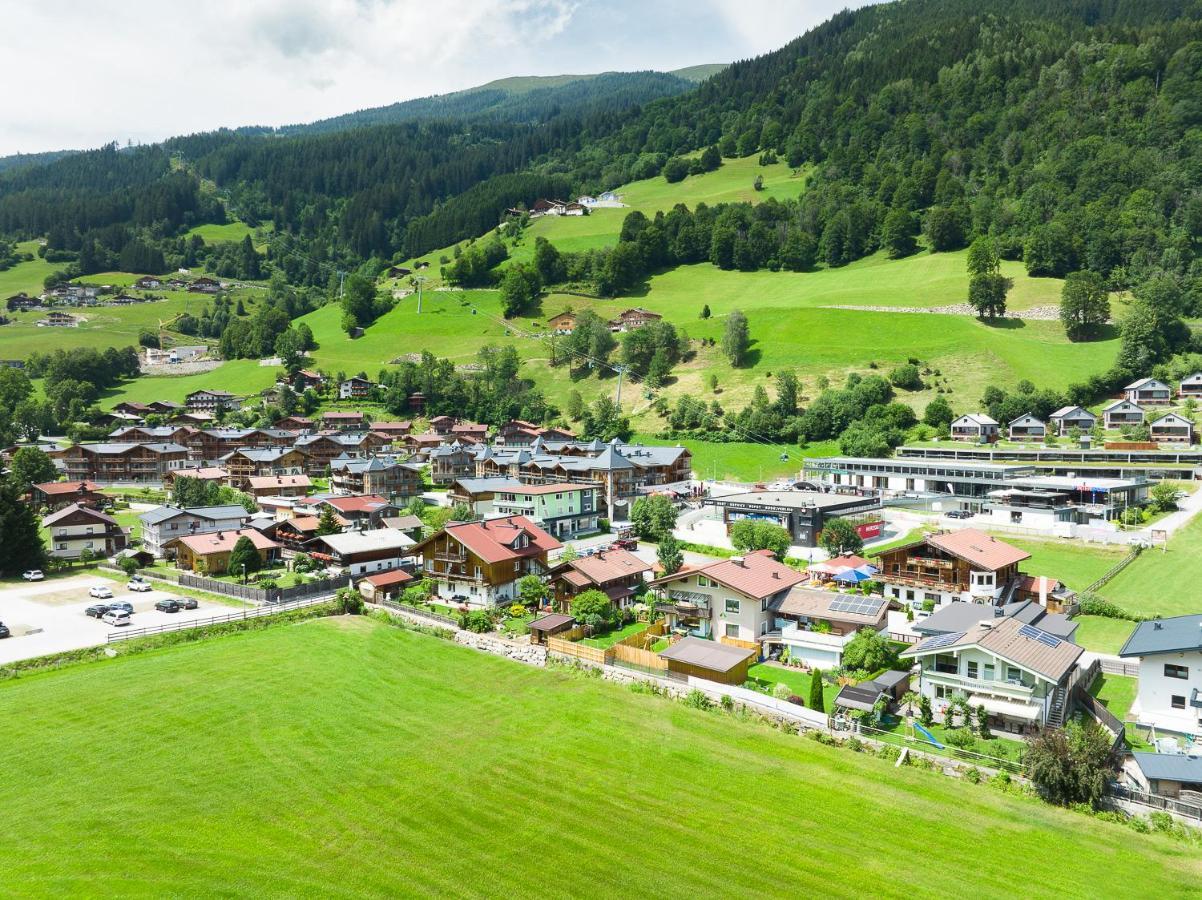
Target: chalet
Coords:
[[469, 432], [479, 563], [307, 379], [1148, 392], [966, 565], [399, 272], [76, 528], [1027, 428], [209, 553], [975, 427], [519, 433], [960, 617], [212, 474], [384, 585], [574, 208], [251, 462], [564, 323], [1171, 429], [630, 319], [295, 423], [122, 300], [394, 431], [361, 552], [543, 207], [21, 303], [355, 388], [815, 625], [449, 462], [362, 510], [730, 599], [1118, 413], [442, 424], [616, 573], [344, 421], [163, 407], [423, 443], [1169, 652], [56, 319], [1067, 418], [1022, 675], [376, 475], [278, 485], [211, 401], [322, 450], [295, 534], [410, 525], [479, 493], [1190, 386], [54, 495], [114, 463], [204, 285], [164, 524], [148, 283]]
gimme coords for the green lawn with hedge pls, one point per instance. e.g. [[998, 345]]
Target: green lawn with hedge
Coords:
[[344, 756]]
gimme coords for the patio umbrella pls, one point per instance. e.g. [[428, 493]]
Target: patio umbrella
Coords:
[[853, 576]]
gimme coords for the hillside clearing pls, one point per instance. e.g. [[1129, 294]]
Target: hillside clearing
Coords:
[[347, 757]]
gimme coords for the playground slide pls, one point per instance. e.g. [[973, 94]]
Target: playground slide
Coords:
[[926, 734]]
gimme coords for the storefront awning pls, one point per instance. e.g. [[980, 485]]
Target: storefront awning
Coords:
[[1011, 708]]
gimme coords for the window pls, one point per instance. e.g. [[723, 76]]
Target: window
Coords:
[[989, 672], [1013, 674], [732, 631], [702, 581], [1178, 702], [947, 664], [929, 596], [732, 606], [1174, 671], [971, 669], [764, 627]]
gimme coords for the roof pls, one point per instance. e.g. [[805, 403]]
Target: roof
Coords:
[[959, 616], [342, 415], [1069, 410], [357, 503], [854, 608], [707, 654], [484, 485], [351, 542], [978, 548], [262, 482], [608, 565], [205, 473], [1145, 382], [1122, 401], [213, 513], [755, 575], [859, 696], [402, 523], [1172, 635], [55, 518], [386, 579], [224, 541], [789, 499], [552, 622], [1169, 766], [1024, 645], [57, 488], [977, 419], [493, 540]]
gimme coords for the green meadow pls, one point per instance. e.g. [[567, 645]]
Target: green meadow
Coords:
[[344, 757]]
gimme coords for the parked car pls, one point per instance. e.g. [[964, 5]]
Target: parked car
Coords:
[[33, 575], [101, 592], [123, 605], [4, 631], [167, 606], [625, 544], [138, 584], [959, 514], [116, 617], [186, 602], [97, 610]]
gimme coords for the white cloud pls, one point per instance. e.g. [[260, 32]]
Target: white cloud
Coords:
[[147, 69]]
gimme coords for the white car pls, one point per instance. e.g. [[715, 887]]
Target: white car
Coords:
[[33, 575], [101, 592], [137, 584], [115, 617]]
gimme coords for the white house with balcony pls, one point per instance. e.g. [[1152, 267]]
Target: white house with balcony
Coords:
[[729, 599], [1021, 674], [1169, 652], [815, 625]]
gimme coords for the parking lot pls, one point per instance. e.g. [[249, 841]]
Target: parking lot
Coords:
[[48, 616]]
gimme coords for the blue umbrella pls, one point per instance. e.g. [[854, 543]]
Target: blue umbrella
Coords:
[[853, 576]]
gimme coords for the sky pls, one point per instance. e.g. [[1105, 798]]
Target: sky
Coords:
[[144, 70]]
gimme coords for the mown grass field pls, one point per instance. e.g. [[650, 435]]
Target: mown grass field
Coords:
[[241, 376], [1163, 582], [26, 277], [348, 758], [1101, 634], [1075, 563]]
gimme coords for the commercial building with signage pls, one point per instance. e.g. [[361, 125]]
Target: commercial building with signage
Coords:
[[802, 513]]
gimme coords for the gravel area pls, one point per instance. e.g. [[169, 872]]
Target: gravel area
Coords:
[[1034, 314]]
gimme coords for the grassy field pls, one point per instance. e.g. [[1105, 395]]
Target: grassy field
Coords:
[[798, 681], [345, 757], [229, 232], [1163, 582], [1116, 692], [26, 277], [1102, 635], [743, 461], [242, 376], [1074, 563]]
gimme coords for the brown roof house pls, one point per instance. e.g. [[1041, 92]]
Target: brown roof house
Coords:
[[75, 528], [57, 494], [210, 553], [815, 625], [966, 565], [616, 573]]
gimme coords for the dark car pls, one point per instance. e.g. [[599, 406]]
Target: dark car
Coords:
[[123, 605], [97, 610], [959, 514], [167, 606], [4, 632], [625, 544], [186, 602]]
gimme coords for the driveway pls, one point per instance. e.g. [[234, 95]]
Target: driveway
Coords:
[[48, 616]]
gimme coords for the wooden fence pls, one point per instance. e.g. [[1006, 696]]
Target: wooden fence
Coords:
[[1155, 801], [736, 642], [646, 659], [641, 640], [1131, 556], [432, 617], [579, 651], [256, 594], [575, 633], [1118, 667]]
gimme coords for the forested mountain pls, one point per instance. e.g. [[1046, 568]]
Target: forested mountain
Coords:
[[1069, 132]]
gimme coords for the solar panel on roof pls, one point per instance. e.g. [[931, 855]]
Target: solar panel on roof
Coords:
[[863, 606], [1029, 631], [942, 640]]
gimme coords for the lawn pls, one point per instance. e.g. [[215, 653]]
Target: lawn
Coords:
[[228, 232], [372, 761], [1102, 635], [897, 732], [242, 376], [607, 640], [1116, 693], [27, 277], [743, 461], [797, 680], [1074, 563], [1163, 581]]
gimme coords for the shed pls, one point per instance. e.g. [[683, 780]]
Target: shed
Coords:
[[384, 585], [860, 697], [549, 626], [724, 663]]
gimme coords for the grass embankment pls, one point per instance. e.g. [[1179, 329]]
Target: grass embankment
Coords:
[[343, 755], [1165, 581]]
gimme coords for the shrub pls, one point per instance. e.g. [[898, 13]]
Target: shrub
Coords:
[[781, 691], [961, 739], [973, 774], [129, 565], [727, 702], [478, 621], [1093, 605], [517, 610], [697, 700], [350, 600]]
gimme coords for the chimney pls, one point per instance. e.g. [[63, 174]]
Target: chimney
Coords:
[[775, 574], [1156, 626], [738, 561]]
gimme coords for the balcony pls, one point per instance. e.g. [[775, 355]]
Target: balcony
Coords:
[[797, 634], [1000, 687]]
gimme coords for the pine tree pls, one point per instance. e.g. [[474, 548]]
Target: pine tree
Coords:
[[816, 701], [327, 522], [21, 544]]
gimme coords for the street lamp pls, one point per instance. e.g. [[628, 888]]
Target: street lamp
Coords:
[[244, 573]]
